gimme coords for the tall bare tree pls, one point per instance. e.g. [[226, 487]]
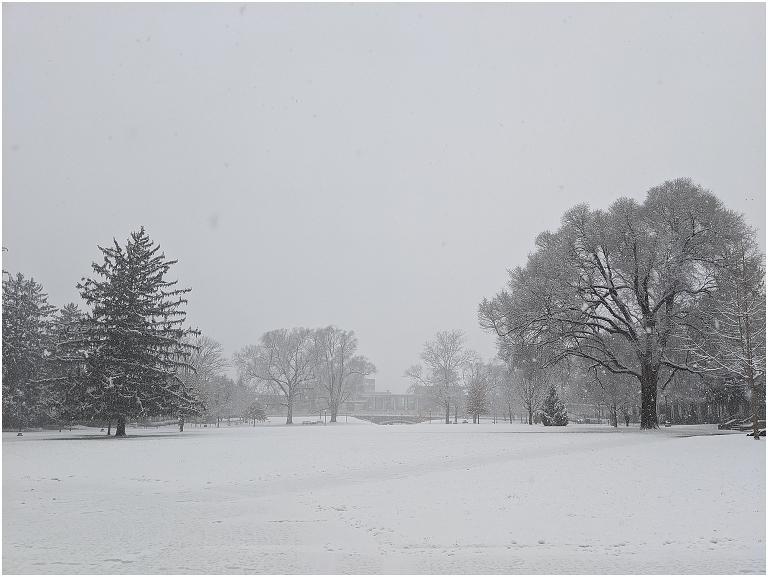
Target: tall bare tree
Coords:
[[506, 394], [339, 370], [206, 373], [615, 392], [727, 335], [283, 364], [444, 359], [530, 372], [496, 377], [483, 381], [222, 398]]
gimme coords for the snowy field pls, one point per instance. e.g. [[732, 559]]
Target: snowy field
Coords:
[[361, 498]]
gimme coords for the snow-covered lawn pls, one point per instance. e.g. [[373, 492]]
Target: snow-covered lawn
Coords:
[[362, 498]]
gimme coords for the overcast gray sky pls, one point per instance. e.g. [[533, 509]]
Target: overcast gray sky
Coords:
[[374, 166]]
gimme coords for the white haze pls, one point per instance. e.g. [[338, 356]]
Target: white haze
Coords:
[[373, 166]]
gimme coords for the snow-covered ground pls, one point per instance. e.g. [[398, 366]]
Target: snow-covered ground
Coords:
[[361, 498]]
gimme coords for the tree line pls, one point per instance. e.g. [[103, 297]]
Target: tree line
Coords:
[[456, 380], [618, 307], [129, 355]]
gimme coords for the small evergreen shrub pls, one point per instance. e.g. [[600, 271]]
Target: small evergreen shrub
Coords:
[[553, 412]]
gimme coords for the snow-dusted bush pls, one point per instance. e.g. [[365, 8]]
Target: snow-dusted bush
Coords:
[[553, 411]]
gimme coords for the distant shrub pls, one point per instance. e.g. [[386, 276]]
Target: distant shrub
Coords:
[[553, 411]]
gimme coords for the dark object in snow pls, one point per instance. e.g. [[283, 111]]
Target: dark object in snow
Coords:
[[759, 434]]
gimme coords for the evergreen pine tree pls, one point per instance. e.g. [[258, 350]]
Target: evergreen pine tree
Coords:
[[67, 360], [553, 411], [133, 338], [26, 348]]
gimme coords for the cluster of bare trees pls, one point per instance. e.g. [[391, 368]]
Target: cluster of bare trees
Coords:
[[207, 379], [442, 376], [457, 379], [317, 368], [644, 292], [300, 364]]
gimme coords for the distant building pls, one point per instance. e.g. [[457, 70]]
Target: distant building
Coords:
[[366, 400]]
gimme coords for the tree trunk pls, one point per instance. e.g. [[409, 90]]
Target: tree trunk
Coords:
[[753, 390], [289, 418], [120, 428], [181, 423], [448, 414], [649, 419], [751, 381], [333, 415], [530, 415], [109, 427]]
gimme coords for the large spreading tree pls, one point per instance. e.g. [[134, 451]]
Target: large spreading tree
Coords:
[[133, 338], [616, 287], [283, 365]]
